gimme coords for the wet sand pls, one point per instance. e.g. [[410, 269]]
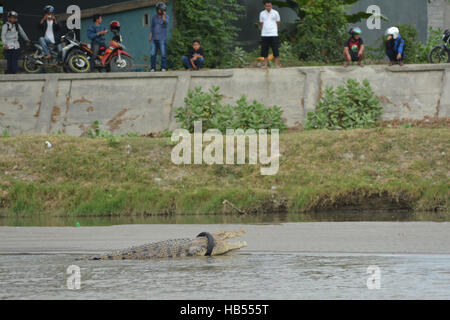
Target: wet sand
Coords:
[[324, 237]]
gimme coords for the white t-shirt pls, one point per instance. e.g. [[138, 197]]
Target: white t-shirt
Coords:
[[269, 20], [49, 32]]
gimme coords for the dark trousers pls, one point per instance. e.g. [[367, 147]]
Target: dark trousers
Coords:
[[267, 43], [188, 65], [392, 53], [12, 57], [95, 50]]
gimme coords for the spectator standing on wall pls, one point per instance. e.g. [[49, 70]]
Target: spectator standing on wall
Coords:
[[158, 36], [269, 20], [96, 33], [11, 31]]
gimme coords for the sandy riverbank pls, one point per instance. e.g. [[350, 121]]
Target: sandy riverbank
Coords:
[[382, 238]]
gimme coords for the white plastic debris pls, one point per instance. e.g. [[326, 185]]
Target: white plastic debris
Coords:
[[48, 144]]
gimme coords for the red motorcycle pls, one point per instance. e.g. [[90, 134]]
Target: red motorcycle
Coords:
[[114, 58]]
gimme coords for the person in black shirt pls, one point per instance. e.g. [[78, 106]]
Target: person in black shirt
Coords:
[[354, 48], [196, 58]]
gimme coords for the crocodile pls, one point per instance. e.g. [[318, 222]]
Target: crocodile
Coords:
[[205, 244]]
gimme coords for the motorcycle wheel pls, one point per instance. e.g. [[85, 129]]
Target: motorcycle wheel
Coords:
[[31, 67], [439, 55], [125, 64], [78, 63]]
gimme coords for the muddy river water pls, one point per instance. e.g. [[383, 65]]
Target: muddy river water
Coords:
[[325, 260]]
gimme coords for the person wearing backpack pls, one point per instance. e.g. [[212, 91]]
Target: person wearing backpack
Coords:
[[11, 31]]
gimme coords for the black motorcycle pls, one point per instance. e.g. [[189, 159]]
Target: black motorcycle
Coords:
[[441, 53], [72, 58]]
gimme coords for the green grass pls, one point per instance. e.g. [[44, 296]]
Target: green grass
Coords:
[[380, 169]]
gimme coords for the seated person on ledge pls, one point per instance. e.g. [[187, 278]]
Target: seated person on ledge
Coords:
[[354, 48], [395, 46], [196, 58]]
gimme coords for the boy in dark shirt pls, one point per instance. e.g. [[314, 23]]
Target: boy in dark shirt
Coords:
[[196, 58], [354, 48]]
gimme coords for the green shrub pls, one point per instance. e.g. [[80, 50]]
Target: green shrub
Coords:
[[349, 106], [320, 31], [207, 108]]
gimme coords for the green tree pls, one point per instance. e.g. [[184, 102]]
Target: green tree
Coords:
[[321, 28], [211, 22]]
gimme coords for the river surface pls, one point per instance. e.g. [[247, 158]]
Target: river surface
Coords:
[[237, 276]]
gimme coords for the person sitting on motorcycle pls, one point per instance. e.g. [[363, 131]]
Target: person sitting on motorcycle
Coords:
[[96, 33], [395, 46], [115, 29], [354, 48], [11, 31], [51, 28]]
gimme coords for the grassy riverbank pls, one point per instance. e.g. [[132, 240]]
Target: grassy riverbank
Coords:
[[319, 171]]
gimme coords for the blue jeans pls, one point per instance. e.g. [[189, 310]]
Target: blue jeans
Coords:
[[198, 63], [44, 42], [159, 45]]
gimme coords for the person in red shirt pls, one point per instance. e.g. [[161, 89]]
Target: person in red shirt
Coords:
[[354, 48]]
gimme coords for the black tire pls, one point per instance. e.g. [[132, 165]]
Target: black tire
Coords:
[[439, 55], [78, 62], [29, 66], [125, 65]]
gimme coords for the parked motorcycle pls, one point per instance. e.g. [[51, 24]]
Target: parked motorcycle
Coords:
[[441, 53], [72, 58]]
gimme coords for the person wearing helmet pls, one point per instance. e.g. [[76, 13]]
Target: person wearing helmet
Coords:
[[115, 29], [158, 36], [11, 31], [395, 46], [354, 48], [50, 28], [96, 33]]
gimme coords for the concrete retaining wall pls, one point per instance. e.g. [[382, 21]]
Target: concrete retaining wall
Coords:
[[145, 102]]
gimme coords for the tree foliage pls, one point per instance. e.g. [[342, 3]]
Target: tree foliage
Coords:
[[211, 22], [321, 28]]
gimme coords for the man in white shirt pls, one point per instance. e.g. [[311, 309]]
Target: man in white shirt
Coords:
[[269, 21]]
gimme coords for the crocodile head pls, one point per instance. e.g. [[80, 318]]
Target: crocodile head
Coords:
[[223, 243], [217, 244]]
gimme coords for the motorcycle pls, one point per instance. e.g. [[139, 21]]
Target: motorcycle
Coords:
[[72, 58], [112, 59], [441, 53]]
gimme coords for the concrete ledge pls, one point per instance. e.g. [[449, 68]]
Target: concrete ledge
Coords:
[[144, 102]]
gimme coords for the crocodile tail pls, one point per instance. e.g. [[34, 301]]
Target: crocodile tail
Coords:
[[211, 242]]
